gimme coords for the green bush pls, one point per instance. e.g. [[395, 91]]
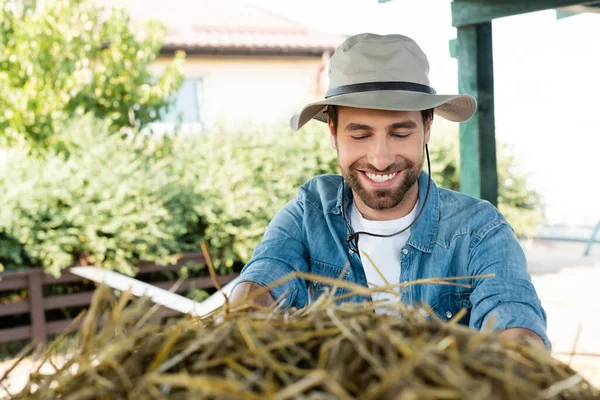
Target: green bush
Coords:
[[65, 58], [521, 205], [117, 200], [246, 177], [113, 201]]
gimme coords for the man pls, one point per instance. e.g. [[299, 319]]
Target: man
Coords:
[[384, 217]]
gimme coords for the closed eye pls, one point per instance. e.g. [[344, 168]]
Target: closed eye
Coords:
[[400, 135], [361, 137]]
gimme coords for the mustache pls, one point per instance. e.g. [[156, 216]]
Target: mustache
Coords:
[[368, 167]]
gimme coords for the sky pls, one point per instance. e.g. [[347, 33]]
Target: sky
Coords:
[[546, 82]]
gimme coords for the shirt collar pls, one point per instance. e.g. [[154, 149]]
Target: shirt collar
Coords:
[[424, 232], [345, 189]]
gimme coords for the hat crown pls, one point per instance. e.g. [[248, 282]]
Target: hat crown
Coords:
[[378, 58]]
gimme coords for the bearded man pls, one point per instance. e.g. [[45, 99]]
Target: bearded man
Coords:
[[384, 221]]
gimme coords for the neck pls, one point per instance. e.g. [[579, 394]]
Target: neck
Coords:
[[401, 210]]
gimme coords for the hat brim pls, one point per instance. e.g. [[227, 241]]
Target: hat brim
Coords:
[[457, 108]]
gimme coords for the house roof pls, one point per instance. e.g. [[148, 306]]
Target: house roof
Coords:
[[230, 27]]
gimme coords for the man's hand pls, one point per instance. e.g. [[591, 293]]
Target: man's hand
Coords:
[[242, 292], [517, 333]]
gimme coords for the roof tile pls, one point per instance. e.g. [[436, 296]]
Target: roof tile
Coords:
[[228, 25]]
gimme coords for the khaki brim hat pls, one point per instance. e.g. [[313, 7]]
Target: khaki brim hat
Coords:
[[384, 73]]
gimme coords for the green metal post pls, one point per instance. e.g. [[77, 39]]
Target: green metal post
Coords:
[[591, 240], [470, 12], [478, 174]]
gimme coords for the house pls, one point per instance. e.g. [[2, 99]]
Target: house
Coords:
[[244, 64]]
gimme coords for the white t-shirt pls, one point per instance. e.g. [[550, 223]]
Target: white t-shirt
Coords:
[[385, 252]]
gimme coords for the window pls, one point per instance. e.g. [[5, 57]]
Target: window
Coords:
[[185, 112]]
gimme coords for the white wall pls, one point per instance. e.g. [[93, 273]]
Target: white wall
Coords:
[[259, 90]]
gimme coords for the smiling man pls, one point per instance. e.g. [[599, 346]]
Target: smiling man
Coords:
[[384, 218]]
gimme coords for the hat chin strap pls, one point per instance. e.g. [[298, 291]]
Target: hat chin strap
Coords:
[[352, 239], [378, 86]]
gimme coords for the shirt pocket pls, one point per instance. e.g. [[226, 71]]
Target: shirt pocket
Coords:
[[450, 303], [318, 288]]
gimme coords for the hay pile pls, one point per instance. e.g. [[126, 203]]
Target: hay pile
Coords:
[[321, 352]]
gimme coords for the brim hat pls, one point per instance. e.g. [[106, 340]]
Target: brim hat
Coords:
[[385, 73]]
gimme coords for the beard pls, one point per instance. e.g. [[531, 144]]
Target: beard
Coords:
[[382, 199]]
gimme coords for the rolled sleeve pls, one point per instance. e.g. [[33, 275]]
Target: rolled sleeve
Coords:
[[281, 252], [508, 300]]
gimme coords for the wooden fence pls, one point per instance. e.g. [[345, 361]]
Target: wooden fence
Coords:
[[36, 304]]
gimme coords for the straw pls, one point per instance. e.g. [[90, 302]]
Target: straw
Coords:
[[328, 350]]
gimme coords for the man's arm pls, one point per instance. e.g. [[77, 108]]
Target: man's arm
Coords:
[[508, 302], [516, 334], [241, 292], [281, 252]]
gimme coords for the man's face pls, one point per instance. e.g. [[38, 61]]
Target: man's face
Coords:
[[380, 153]]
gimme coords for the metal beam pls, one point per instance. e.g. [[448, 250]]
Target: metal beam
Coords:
[[591, 240], [478, 174], [564, 14], [470, 12], [159, 296], [576, 10]]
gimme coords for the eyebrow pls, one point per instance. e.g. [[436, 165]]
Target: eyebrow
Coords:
[[353, 126], [410, 124]]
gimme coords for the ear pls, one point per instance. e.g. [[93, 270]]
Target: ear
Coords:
[[332, 134]]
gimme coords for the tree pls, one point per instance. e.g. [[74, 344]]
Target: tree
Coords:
[[64, 58]]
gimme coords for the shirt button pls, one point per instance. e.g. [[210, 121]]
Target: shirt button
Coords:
[[448, 314], [405, 251]]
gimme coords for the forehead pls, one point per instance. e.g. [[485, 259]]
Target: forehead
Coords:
[[351, 114]]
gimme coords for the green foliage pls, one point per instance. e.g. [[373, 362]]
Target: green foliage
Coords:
[[444, 152], [117, 200], [198, 295], [69, 57], [520, 204], [246, 177], [113, 201]]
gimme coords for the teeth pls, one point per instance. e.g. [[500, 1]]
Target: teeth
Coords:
[[380, 178]]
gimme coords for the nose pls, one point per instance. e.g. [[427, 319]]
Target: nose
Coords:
[[380, 154]]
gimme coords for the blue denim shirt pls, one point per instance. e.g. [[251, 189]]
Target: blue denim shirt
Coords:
[[456, 235]]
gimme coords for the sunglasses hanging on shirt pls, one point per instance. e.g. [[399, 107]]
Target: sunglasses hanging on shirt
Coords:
[[352, 239]]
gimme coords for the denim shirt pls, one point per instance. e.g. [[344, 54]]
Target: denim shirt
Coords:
[[456, 235]]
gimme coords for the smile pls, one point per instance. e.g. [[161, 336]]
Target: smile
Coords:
[[380, 177]]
